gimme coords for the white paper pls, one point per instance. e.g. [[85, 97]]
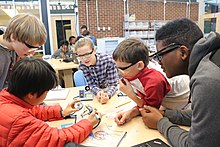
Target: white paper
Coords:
[[57, 94]]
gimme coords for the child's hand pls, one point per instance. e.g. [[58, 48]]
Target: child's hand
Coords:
[[70, 108], [123, 117], [102, 97], [125, 87], [93, 118]]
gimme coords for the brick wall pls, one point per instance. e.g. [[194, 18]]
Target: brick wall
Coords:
[[111, 14]]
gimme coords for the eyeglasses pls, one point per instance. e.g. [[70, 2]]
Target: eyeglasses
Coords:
[[159, 55], [124, 68], [86, 55], [32, 48]]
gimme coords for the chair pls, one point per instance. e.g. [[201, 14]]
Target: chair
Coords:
[[79, 78]]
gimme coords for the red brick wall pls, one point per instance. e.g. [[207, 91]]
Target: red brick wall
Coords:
[[111, 14]]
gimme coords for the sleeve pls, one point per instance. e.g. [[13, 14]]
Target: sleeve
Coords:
[[47, 112], [56, 54], [156, 89], [181, 117], [174, 134], [34, 132], [89, 79], [112, 78]]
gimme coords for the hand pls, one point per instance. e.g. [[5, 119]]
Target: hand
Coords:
[[150, 116], [125, 87], [102, 97], [70, 108], [123, 117], [92, 118]]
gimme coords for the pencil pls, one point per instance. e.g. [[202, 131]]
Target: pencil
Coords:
[[121, 138], [122, 104]]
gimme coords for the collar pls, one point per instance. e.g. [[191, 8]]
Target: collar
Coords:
[[138, 75], [4, 93]]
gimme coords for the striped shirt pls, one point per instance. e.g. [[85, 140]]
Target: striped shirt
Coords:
[[101, 75]]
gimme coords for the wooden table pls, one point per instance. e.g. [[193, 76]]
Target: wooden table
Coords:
[[137, 132], [64, 70]]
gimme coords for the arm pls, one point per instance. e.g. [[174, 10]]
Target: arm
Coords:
[[181, 117], [56, 54], [155, 89], [47, 112], [34, 132], [123, 117], [112, 78], [89, 79]]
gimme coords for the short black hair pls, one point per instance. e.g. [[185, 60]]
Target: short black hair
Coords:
[[31, 75], [64, 42], [131, 50], [71, 37], [181, 31], [85, 33]]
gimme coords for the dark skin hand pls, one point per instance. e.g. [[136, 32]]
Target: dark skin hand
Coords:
[[151, 116]]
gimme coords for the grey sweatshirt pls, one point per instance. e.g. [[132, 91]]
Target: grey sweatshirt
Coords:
[[204, 118], [6, 58]]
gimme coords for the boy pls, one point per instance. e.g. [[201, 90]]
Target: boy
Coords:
[[24, 34], [63, 52], [22, 119], [199, 58], [131, 57], [99, 69]]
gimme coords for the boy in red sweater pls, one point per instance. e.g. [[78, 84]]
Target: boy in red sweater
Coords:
[[22, 120], [131, 57]]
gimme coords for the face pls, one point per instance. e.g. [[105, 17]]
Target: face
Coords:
[[24, 49], [127, 70], [169, 61], [34, 100], [72, 40], [86, 55], [64, 48], [83, 29]]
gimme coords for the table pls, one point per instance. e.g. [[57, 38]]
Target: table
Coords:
[[64, 70], [137, 132]]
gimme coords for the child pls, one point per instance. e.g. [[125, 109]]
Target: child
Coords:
[[131, 57], [99, 69], [24, 34], [64, 51], [22, 119]]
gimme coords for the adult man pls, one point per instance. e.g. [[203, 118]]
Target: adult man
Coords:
[[182, 50]]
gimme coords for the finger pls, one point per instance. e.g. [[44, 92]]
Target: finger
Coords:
[[73, 102], [74, 110]]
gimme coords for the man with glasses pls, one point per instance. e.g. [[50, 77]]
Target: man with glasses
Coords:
[[24, 34], [99, 69], [199, 58], [131, 57]]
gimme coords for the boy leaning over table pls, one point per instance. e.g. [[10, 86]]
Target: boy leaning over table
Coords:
[[24, 34], [199, 58], [22, 119], [131, 57]]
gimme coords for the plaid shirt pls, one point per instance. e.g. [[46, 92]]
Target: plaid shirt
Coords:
[[101, 75]]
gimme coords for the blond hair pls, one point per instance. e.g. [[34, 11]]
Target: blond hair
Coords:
[[26, 28], [83, 42]]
